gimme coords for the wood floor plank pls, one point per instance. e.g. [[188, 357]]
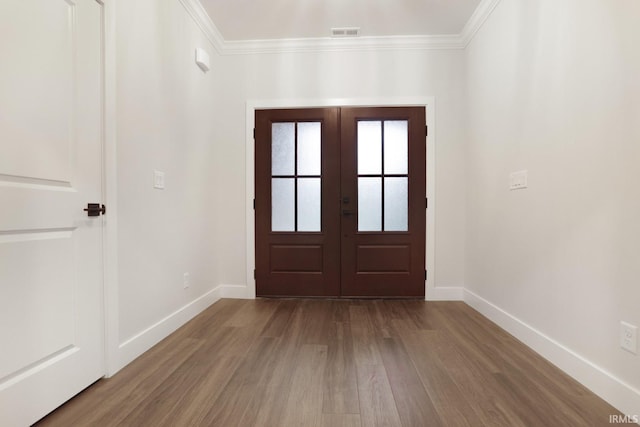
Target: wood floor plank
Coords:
[[203, 396], [185, 393], [317, 332], [542, 378], [282, 362], [492, 403], [364, 336], [126, 393], [209, 322], [269, 409], [340, 381], [341, 420], [247, 380], [340, 310], [376, 401], [450, 402], [505, 406], [445, 320], [550, 383], [280, 319], [551, 409], [377, 405], [415, 407], [380, 319], [543, 374], [253, 312], [304, 404], [419, 314], [190, 391]]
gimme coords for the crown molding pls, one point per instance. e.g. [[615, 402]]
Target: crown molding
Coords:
[[477, 20], [327, 44], [202, 19]]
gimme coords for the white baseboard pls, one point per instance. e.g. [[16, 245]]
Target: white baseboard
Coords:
[[132, 348], [449, 293], [235, 291], [614, 390]]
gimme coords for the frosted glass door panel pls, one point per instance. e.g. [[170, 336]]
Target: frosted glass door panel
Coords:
[[296, 159], [396, 144], [309, 204], [369, 204], [309, 148], [369, 148], [283, 144], [283, 204], [396, 203], [383, 158]]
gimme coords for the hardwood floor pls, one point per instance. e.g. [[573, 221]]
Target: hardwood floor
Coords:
[[337, 363]]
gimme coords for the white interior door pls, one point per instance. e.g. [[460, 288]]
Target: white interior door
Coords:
[[51, 312]]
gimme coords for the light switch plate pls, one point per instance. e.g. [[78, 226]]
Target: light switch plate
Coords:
[[629, 337], [518, 180], [158, 180]]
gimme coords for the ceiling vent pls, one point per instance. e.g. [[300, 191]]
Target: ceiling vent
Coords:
[[345, 32]]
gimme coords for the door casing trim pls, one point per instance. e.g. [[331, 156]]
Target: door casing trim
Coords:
[[109, 191], [427, 101]]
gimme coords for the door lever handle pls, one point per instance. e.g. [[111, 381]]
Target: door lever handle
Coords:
[[347, 212], [95, 209]]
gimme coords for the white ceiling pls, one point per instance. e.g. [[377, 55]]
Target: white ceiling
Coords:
[[293, 19]]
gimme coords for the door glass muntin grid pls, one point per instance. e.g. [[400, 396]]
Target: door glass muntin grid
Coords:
[[383, 175], [296, 159]]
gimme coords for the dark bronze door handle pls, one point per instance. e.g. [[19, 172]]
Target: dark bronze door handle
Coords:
[[95, 209]]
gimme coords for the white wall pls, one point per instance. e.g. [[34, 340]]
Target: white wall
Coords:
[[546, 86], [173, 118], [333, 75], [554, 88], [165, 108]]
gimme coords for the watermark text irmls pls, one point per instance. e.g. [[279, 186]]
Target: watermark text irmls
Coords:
[[623, 419]]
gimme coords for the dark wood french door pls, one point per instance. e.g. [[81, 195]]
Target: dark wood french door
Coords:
[[297, 202], [340, 202]]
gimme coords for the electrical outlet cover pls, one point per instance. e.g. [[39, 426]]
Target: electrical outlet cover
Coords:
[[518, 180]]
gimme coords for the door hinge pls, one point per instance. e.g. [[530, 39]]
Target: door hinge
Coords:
[[254, 133], [426, 203], [254, 274], [426, 131], [425, 275], [254, 204]]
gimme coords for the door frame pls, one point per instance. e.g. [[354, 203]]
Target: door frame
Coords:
[[112, 362], [431, 292]]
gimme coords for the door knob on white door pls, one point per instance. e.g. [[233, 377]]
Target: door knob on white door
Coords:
[[95, 209]]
